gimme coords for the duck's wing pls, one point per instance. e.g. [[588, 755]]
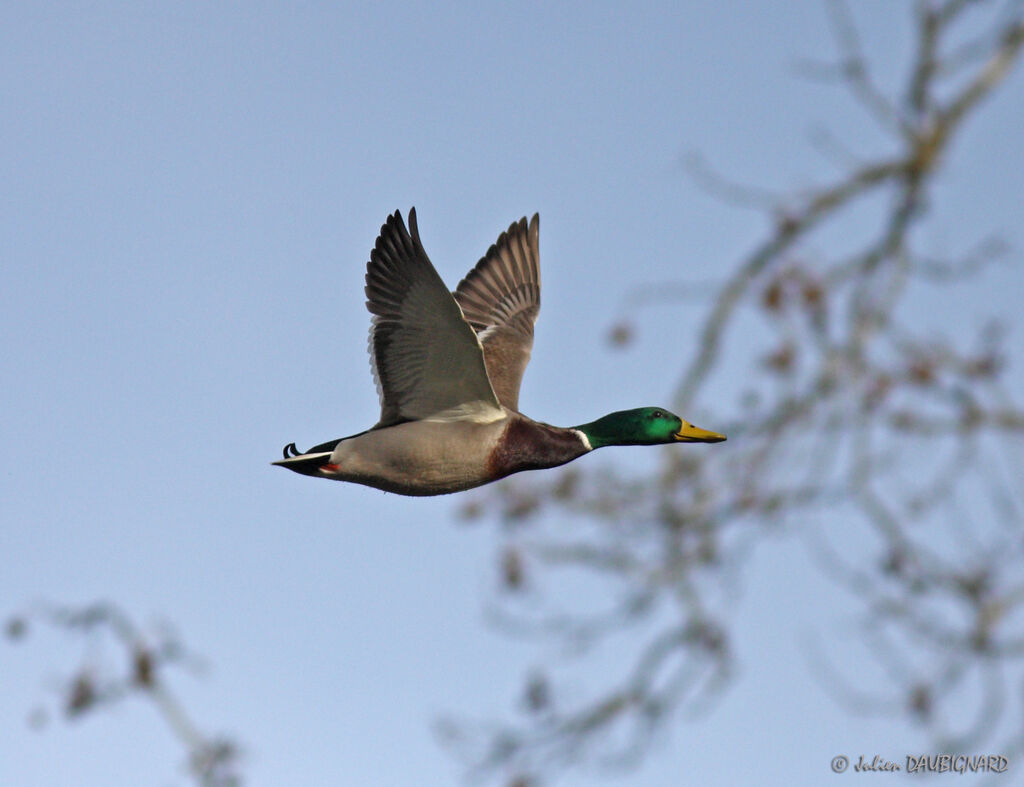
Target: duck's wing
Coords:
[[500, 298], [426, 359]]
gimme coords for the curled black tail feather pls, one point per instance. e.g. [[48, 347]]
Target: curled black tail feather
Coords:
[[290, 450]]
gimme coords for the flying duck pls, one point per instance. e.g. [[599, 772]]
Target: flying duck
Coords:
[[448, 367]]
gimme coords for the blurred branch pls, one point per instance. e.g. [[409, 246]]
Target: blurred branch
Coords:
[[212, 762], [846, 410]]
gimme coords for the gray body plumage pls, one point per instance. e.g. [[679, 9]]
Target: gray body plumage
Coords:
[[418, 457], [438, 457]]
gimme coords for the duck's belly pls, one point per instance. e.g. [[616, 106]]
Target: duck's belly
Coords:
[[420, 457]]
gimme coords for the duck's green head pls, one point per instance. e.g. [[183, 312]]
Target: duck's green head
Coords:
[[645, 426]]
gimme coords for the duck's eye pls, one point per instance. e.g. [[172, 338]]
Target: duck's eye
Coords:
[[658, 414]]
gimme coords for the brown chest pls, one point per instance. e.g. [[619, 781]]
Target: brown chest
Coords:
[[528, 445]]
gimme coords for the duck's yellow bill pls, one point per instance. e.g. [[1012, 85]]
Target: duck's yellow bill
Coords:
[[694, 434]]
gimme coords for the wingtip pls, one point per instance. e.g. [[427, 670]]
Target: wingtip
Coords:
[[392, 219], [396, 219]]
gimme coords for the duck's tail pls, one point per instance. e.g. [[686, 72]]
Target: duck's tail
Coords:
[[307, 464]]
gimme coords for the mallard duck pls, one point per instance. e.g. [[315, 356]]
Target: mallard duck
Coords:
[[448, 367]]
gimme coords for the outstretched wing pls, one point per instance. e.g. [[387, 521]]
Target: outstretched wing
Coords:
[[500, 298], [426, 359]]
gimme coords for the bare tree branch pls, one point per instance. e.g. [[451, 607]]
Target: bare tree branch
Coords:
[[212, 761], [849, 411]]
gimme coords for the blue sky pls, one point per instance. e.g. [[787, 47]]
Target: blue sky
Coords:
[[190, 195]]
